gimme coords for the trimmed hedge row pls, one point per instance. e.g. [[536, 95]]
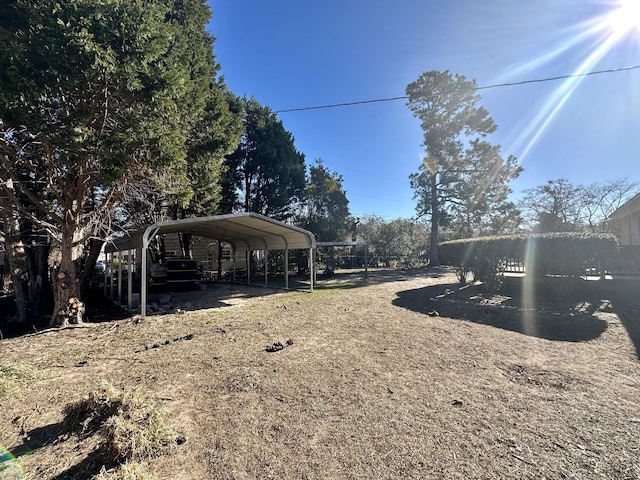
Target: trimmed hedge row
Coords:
[[566, 254]]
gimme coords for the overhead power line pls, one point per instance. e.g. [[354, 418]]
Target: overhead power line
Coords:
[[486, 87], [561, 77], [347, 104]]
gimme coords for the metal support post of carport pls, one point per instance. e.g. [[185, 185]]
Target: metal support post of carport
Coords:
[[149, 235]]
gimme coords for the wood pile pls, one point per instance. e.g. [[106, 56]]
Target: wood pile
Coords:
[[72, 312]]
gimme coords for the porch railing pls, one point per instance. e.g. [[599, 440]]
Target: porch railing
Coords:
[[625, 263]]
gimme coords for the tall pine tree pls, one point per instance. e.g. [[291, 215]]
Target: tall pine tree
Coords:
[[266, 174], [463, 177]]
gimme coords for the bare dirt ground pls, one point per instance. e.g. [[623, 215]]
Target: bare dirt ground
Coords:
[[401, 375]]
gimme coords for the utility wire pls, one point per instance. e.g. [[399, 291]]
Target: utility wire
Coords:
[[348, 104], [486, 87], [561, 77]]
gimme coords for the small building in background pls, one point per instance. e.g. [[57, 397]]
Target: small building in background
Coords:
[[627, 218]]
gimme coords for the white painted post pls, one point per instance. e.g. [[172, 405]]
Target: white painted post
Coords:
[[129, 278], [248, 266], [110, 266], [233, 256], [119, 278], [311, 269], [286, 268], [143, 281], [266, 266], [106, 274], [366, 261]]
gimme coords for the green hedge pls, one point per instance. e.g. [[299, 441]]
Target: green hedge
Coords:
[[566, 254]]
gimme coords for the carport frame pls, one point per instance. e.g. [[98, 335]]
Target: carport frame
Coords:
[[254, 231]]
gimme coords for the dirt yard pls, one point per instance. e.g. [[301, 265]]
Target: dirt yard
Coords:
[[402, 375]]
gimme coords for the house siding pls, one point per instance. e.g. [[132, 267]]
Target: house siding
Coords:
[[205, 251], [627, 217], [629, 233]]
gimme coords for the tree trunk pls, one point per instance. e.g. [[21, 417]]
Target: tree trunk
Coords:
[[68, 307], [186, 241], [435, 219], [95, 248], [247, 186], [39, 285], [162, 248], [19, 277], [17, 262], [157, 249]]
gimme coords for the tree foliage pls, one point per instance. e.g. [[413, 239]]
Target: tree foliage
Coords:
[[401, 241], [325, 207], [215, 137], [601, 199], [266, 174], [561, 206], [93, 96], [553, 207], [463, 178]]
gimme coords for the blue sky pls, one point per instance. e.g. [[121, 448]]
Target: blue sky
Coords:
[[298, 53]]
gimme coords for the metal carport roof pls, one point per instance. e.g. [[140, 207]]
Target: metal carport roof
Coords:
[[244, 231]]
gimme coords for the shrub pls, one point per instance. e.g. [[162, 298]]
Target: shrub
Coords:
[[484, 257], [565, 254]]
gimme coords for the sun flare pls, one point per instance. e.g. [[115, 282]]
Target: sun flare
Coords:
[[614, 29], [625, 17]]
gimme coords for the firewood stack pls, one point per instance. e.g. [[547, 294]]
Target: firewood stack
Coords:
[[72, 312]]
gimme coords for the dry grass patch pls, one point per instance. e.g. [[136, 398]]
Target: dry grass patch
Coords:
[[139, 431], [88, 415], [128, 471], [15, 375], [373, 386], [132, 427]]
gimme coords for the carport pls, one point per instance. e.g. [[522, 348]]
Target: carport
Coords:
[[243, 231]]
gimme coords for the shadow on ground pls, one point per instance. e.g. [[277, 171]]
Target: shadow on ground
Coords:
[[101, 309], [625, 302], [347, 278], [358, 277], [55, 434], [551, 315], [214, 296]]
